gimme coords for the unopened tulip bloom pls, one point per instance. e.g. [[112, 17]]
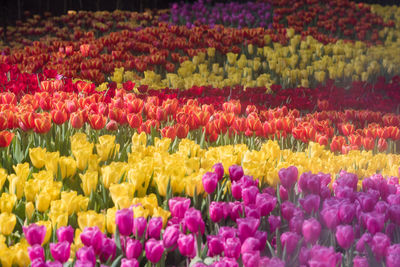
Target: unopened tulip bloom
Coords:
[[60, 251], [194, 221], [86, 254], [219, 170], [232, 248], [290, 241], [124, 221], [129, 263], [154, 227], [210, 181], [215, 245], [345, 236], [65, 233], [34, 234], [380, 243], [139, 226], [187, 245], [178, 206], [154, 250], [235, 172], [133, 248], [36, 252], [288, 176], [170, 237], [311, 230]]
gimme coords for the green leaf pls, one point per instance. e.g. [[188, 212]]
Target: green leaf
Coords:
[[117, 261], [117, 239]]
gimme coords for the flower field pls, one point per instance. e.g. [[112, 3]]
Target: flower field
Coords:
[[208, 134]]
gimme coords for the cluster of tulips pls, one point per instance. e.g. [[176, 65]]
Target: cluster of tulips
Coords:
[[305, 221]]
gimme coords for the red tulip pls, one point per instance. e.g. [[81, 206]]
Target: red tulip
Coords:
[[368, 143], [59, 116], [42, 124], [169, 132], [182, 130], [97, 122], [134, 120], [77, 120], [5, 138]]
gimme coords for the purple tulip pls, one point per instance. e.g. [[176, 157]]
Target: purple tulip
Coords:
[[216, 210], [129, 263], [170, 237], [65, 233], [289, 241], [330, 216], [265, 203], [262, 238], [186, 244], [86, 254], [60, 251], [366, 238], [215, 245], [36, 252], [296, 224], [236, 189], [219, 170], [210, 181], [92, 236], [311, 230], [346, 179], [109, 250], [236, 210], [250, 245], [154, 250], [375, 222], [236, 172], [288, 209], [251, 259], [193, 221], [394, 213], [154, 227], [139, 226], [310, 203], [347, 212], [226, 232], [304, 255], [345, 236], [54, 264], [133, 248], [380, 243], [275, 262], [359, 261], [393, 256], [323, 256], [83, 263], [249, 195], [274, 222], [124, 221], [38, 263], [34, 234], [247, 227], [367, 202], [309, 184], [394, 199], [232, 248], [283, 193], [288, 176], [178, 206]]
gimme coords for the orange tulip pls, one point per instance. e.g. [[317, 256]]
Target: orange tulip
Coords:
[[97, 122], [5, 138]]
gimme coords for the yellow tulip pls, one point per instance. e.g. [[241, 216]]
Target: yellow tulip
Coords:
[[7, 202], [107, 147], [51, 163], [58, 219], [6, 257], [31, 189], [43, 202], [67, 167], [91, 218], [71, 201], [139, 211], [29, 210], [7, 223], [38, 157], [82, 155], [21, 257], [89, 181], [16, 185], [22, 170], [49, 230], [112, 173], [110, 220]]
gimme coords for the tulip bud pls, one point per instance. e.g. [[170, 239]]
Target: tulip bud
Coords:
[[86, 254], [154, 227], [345, 236], [170, 237], [232, 248], [311, 230], [36, 252], [178, 206], [186, 244], [154, 250], [65, 233], [60, 251], [236, 172], [215, 246], [210, 181], [34, 234], [193, 221], [124, 221], [288, 176], [290, 241], [216, 211], [139, 226], [219, 170]]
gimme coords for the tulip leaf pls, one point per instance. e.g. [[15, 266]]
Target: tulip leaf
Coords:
[[271, 249], [117, 239], [117, 261]]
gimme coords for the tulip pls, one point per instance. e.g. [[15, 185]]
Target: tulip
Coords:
[[235, 172], [251, 259], [310, 203], [42, 124], [86, 254], [290, 241], [59, 116], [108, 250], [380, 243], [236, 189], [193, 221], [34, 234], [154, 250], [170, 237], [139, 226], [77, 120], [311, 230], [65, 233], [178, 206], [124, 221], [187, 245], [288, 176], [210, 181], [216, 211], [36, 252], [249, 195], [247, 227], [374, 222], [250, 245], [274, 223], [330, 217], [288, 209], [296, 223], [232, 247], [129, 263], [215, 245], [37, 156], [345, 236], [92, 236], [6, 138], [60, 251], [219, 170], [265, 203], [347, 212], [359, 261], [393, 256], [154, 227], [97, 122]]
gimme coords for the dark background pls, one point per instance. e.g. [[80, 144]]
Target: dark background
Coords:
[[12, 10]]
